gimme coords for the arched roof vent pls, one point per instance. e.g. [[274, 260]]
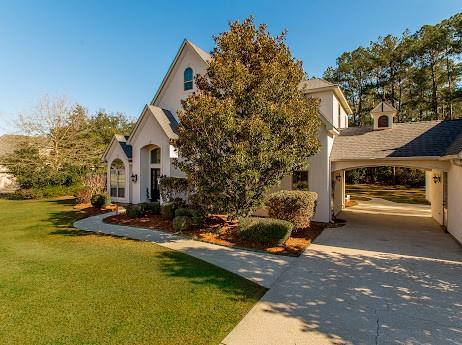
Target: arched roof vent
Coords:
[[383, 115]]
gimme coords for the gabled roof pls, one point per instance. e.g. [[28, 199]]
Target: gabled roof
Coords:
[[384, 107], [319, 85], [434, 139], [164, 117], [122, 141], [186, 43], [166, 120]]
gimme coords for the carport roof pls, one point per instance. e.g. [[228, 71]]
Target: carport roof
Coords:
[[404, 140]]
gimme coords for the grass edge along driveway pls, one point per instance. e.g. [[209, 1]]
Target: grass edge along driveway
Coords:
[[61, 286]]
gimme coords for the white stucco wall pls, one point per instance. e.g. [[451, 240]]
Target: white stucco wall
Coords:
[[320, 177], [436, 197], [149, 133], [339, 191], [173, 91], [116, 152], [455, 201]]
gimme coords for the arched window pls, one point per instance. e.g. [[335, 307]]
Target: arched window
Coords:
[[383, 121], [155, 156], [117, 180], [188, 79]]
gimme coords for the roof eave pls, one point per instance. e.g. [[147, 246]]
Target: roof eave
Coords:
[[338, 93]]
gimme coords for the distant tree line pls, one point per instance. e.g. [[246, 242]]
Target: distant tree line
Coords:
[[419, 74], [63, 144], [386, 176]]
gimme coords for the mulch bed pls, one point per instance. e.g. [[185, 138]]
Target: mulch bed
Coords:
[[86, 210], [217, 230]]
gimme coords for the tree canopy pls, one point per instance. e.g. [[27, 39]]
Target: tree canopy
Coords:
[[62, 143], [247, 125], [418, 73]]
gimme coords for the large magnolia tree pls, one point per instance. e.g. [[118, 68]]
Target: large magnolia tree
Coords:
[[248, 125]]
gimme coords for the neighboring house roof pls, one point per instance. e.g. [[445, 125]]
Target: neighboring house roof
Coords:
[[186, 43], [319, 85], [415, 139], [11, 142]]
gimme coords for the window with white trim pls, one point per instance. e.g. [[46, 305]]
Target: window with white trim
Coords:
[[117, 179], [188, 79]]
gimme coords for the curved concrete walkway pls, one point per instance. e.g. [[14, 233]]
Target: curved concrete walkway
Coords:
[[259, 267]]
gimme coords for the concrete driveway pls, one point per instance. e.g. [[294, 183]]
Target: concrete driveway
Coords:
[[390, 278]]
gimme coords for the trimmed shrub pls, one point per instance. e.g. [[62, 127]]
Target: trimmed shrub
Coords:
[[168, 210], [134, 211], [197, 218], [151, 207], [173, 188], [100, 200], [295, 206], [187, 212], [264, 230], [182, 223]]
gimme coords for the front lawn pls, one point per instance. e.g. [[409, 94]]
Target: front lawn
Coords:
[[62, 286], [400, 194]]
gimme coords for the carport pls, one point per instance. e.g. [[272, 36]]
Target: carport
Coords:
[[433, 146]]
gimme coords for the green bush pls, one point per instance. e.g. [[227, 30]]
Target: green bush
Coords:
[[187, 212], [264, 230], [168, 210], [100, 200], [44, 192], [134, 211], [151, 207], [182, 223], [173, 188], [197, 218], [295, 206]]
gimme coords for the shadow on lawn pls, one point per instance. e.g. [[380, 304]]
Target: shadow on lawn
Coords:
[[176, 264]]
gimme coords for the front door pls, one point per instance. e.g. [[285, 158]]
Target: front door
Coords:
[[155, 192]]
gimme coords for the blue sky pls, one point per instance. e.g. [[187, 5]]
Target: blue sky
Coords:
[[113, 55]]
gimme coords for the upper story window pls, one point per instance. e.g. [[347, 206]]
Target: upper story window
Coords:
[[155, 156], [188, 79]]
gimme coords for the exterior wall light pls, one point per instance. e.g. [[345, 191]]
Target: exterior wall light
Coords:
[[134, 177], [436, 178]]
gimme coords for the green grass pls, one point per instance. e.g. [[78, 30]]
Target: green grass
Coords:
[[62, 286], [400, 194]]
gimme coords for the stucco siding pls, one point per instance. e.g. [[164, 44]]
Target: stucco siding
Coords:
[[116, 152], [173, 91], [436, 198], [320, 177], [149, 134], [455, 201]]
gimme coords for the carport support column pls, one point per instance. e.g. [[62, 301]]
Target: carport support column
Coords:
[[436, 195], [339, 191]]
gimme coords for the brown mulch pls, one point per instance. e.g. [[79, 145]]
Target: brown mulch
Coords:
[[86, 210], [217, 230]]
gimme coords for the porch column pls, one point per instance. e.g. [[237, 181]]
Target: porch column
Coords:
[[339, 191]]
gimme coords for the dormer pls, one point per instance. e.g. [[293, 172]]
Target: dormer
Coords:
[[383, 115]]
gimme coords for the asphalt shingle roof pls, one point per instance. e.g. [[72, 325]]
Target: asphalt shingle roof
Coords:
[[122, 140], [415, 139]]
